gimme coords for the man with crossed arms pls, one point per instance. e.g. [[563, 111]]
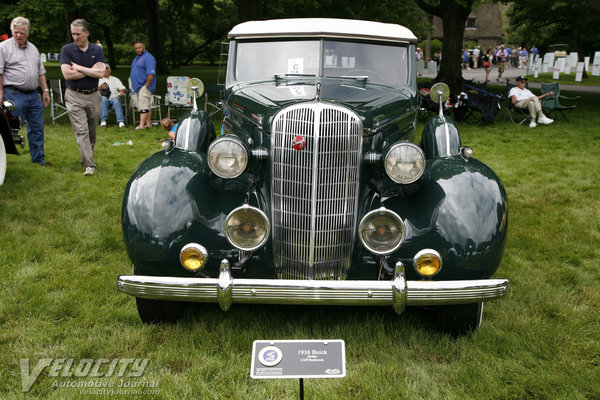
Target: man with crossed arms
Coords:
[[82, 64]]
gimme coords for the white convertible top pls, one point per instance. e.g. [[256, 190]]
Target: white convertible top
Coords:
[[322, 27]]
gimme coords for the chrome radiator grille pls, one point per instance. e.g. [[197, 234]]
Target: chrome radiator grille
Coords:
[[315, 190]]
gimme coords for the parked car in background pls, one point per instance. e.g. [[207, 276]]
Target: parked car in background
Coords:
[[9, 128], [318, 190]]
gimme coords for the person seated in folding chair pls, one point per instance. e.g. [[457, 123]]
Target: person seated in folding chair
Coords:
[[522, 97], [112, 89]]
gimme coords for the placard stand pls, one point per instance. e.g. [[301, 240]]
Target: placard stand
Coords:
[[284, 359]]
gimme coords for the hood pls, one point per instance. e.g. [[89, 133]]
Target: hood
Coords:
[[376, 104]]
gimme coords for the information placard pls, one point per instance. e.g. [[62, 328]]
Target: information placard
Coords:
[[283, 359], [579, 72]]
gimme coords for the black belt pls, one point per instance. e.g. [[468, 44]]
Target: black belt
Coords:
[[20, 90], [83, 91]]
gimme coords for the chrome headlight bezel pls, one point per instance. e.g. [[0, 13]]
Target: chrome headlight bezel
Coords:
[[412, 159], [227, 148], [193, 249], [262, 217], [388, 217], [427, 253]]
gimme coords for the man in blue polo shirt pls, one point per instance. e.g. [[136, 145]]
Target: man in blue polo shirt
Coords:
[[82, 64], [143, 72]]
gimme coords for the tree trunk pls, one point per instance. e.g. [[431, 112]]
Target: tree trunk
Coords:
[[428, 42], [248, 10], [454, 14], [577, 38], [454, 18], [156, 43], [109, 48]]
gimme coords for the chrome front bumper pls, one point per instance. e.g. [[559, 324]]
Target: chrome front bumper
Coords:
[[397, 292]]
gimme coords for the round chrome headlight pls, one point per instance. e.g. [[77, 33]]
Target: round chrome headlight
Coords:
[[247, 228], [227, 157], [405, 162], [193, 256], [381, 231]]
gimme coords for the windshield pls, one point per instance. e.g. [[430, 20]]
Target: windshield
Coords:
[[328, 58]]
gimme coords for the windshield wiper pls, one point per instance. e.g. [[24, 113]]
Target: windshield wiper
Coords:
[[355, 77], [281, 75]]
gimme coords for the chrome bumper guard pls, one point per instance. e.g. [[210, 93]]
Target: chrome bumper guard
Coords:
[[397, 292]]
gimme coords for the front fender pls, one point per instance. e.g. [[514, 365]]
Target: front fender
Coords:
[[169, 202], [460, 211], [440, 138]]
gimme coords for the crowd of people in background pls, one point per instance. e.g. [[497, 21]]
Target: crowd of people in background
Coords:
[[500, 56], [90, 88]]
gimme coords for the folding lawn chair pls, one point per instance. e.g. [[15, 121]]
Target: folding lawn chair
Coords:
[[552, 106], [58, 108], [521, 114]]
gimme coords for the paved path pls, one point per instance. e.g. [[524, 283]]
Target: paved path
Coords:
[[478, 75]]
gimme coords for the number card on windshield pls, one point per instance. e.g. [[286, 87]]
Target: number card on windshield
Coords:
[[272, 359]]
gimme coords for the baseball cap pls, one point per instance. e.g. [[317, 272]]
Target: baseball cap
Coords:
[[521, 78]]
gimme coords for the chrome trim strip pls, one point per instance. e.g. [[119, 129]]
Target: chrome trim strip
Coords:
[[396, 292]]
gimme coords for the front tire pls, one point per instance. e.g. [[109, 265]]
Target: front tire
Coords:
[[160, 311], [460, 319]]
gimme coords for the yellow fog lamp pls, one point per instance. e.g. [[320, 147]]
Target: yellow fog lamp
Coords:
[[193, 256], [427, 262], [247, 228], [381, 231]]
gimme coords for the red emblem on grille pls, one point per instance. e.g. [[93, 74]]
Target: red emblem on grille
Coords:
[[299, 143]]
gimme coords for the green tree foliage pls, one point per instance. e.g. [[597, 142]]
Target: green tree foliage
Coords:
[[392, 11], [186, 29], [547, 22]]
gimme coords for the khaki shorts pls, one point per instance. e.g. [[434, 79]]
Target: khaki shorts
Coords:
[[501, 67], [142, 98]]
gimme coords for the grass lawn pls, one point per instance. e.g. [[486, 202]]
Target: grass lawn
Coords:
[[566, 79], [61, 251]]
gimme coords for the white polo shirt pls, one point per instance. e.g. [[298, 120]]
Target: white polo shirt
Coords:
[[520, 94]]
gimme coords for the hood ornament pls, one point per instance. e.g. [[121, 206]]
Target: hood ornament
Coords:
[[318, 87]]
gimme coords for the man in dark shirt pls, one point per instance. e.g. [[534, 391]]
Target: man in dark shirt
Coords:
[[82, 64]]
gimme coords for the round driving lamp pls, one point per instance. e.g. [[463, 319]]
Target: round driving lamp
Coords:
[[227, 157], [427, 262], [404, 162], [247, 228], [381, 231], [193, 256]]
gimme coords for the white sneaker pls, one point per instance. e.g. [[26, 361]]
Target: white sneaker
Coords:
[[103, 123], [121, 124], [89, 171], [532, 124], [545, 120]]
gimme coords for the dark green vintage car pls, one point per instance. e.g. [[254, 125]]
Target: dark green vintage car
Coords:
[[318, 189], [9, 136]]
